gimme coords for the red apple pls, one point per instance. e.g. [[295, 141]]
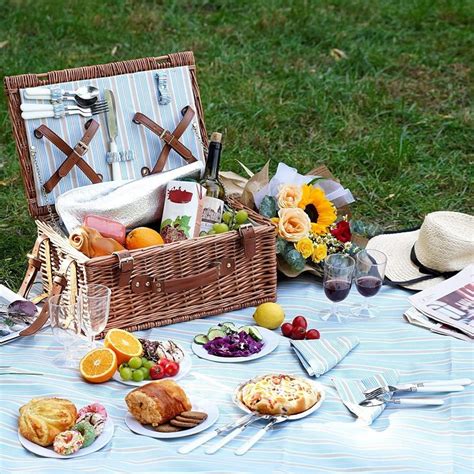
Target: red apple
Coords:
[[286, 329], [313, 334], [300, 321], [298, 333]]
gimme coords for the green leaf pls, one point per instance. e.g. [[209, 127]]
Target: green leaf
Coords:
[[165, 223], [268, 207]]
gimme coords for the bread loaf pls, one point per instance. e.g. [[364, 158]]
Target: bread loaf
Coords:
[[41, 419], [157, 402]]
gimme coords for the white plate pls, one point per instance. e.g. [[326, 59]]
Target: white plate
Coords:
[[316, 385], [270, 343], [147, 430], [184, 368], [48, 452]]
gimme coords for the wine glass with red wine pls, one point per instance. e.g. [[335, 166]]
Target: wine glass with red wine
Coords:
[[338, 272], [369, 274]]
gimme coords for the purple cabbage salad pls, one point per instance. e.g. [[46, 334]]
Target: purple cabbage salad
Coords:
[[235, 345]]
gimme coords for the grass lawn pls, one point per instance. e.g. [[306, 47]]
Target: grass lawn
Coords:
[[391, 120]]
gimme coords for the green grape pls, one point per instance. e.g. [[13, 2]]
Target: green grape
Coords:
[[241, 217], [212, 232], [227, 217], [149, 364], [220, 228], [138, 376], [135, 362], [144, 359], [145, 371], [126, 373]]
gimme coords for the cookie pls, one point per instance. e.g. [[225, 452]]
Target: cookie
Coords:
[[167, 428], [195, 415], [187, 420], [184, 424]]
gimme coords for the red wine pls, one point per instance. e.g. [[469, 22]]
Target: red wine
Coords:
[[368, 285], [337, 290]]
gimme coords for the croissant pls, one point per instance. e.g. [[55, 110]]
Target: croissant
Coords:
[[157, 402], [41, 419], [92, 244]]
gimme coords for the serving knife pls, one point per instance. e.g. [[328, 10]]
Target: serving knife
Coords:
[[112, 131]]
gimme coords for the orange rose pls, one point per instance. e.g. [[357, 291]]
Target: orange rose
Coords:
[[294, 224], [289, 196]]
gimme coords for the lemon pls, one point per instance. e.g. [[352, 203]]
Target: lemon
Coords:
[[269, 315]]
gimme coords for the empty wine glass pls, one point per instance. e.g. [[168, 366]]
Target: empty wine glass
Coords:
[[369, 275], [65, 320], [338, 271], [95, 305]]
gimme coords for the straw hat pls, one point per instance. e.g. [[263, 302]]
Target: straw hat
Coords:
[[443, 246]]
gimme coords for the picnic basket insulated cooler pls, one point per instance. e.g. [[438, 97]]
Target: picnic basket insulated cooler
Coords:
[[153, 286]]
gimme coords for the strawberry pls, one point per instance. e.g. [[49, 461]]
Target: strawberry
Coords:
[[313, 334], [286, 329], [300, 321], [298, 333]]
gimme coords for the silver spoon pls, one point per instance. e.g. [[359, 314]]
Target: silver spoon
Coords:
[[84, 95]]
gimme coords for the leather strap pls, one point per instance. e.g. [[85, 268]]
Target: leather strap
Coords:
[[74, 155], [34, 265], [247, 233], [171, 139], [59, 283], [143, 284], [125, 261]]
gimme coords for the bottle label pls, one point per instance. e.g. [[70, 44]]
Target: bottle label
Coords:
[[213, 209]]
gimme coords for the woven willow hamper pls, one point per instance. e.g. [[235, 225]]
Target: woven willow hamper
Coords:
[[158, 285]]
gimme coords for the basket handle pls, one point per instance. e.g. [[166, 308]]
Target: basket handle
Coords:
[[34, 265], [144, 283]]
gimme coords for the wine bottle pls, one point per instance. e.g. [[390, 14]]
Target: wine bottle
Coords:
[[213, 205], [210, 180]]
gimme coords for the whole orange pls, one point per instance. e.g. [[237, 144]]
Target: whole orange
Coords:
[[142, 237]]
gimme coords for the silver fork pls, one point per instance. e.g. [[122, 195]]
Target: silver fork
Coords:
[[35, 111], [374, 402], [378, 391]]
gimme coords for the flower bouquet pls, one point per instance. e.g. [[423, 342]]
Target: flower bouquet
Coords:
[[304, 210]]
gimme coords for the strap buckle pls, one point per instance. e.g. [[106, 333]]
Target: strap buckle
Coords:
[[81, 148]]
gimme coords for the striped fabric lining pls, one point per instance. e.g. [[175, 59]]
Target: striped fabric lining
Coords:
[[135, 92], [319, 356], [434, 440], [352, 393]]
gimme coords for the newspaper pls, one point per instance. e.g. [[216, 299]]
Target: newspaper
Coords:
[[450, 302], [413, 316], [10, 324]]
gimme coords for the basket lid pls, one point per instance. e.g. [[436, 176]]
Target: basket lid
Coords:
[[112, 76]]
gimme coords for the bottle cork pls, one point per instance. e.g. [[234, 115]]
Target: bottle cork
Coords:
[[216, 137]]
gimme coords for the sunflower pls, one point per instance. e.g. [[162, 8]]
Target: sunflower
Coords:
[[320, 210]]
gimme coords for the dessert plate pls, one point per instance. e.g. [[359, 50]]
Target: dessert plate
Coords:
[[270, 343], [317, 387], [48, 452], [147, 430], [184, 368]]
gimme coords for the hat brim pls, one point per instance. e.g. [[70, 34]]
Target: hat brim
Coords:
[[400, 268]]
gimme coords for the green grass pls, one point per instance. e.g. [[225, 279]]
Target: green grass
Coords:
[[392, 121]]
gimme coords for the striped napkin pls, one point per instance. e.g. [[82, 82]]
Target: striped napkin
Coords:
[[352, 393], [320, 355]]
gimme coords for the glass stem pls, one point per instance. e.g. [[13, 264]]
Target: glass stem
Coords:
[[334, 309], [365, 304]]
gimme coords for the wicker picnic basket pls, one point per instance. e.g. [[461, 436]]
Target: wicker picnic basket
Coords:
[[155, 286]]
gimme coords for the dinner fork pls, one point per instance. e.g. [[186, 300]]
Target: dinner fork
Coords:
[[35, 111], [374, 402], [378, 391]]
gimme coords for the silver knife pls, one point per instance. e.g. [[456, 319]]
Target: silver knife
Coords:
[[187, 448], [113, 156]]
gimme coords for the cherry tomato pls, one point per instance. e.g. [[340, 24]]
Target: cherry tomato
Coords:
[[298, 333], [313, 334], [171, 368], [163, 362], [157, 372], [300, 321], [286, 329]]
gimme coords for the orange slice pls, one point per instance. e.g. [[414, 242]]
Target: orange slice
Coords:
[[98, 365], [124, 344]]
